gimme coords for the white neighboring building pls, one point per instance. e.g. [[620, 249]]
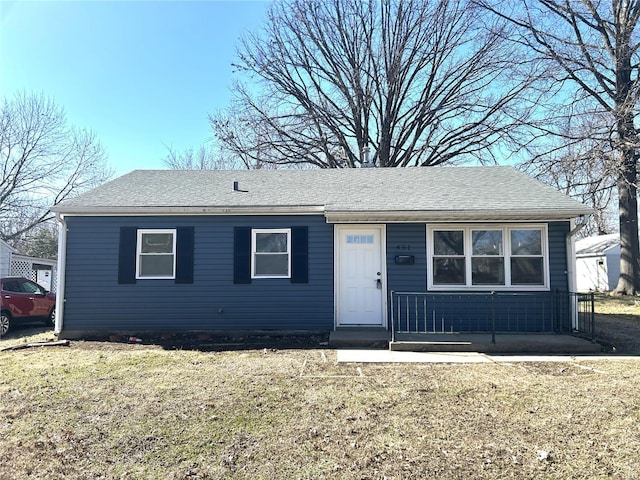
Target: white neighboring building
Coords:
[[598, 263], [6, 251], [40, 270]]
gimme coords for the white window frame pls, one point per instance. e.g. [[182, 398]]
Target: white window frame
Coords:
[[139, 253], [254, 232], [506, 240]]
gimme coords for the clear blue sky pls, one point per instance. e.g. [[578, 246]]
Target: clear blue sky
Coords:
[[142, 75]]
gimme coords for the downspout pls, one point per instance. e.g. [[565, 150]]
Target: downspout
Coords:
[[571, 268], [62, 264]]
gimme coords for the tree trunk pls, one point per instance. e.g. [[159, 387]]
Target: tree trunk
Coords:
[[629, 281]]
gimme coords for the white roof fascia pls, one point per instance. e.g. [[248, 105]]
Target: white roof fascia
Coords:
[[334, 216], [153, 210], [449, 216]]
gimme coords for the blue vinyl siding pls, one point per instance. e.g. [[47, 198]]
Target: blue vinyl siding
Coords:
[[407, 239], [95, 301], [471, 310], [558, 279]]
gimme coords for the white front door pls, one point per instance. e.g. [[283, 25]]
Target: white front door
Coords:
[[360, 276]]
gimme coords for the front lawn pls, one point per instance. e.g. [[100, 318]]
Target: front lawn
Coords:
[[108, 410], [617, 321]]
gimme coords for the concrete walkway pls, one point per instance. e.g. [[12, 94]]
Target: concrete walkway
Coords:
[[389, 356]]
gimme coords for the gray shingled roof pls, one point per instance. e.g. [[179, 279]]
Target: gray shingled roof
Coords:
[[374, 194], [597, 245]]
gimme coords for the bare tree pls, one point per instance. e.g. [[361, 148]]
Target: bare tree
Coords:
[[41, 241], [204, 158], [584, 176], [594, 47], [207, 158], [246, 136], [419, 82], [580, 164], [43, 161]]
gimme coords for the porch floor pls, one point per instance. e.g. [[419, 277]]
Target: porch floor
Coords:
[[462, 342]]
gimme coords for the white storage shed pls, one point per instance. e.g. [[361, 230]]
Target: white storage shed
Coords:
[[598, 263]]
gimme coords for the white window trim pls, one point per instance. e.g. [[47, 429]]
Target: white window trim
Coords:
[[139, 253], [254, 232], [506, 239]]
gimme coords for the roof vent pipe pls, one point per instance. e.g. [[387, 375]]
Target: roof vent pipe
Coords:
[[236, 187], [364, 157]]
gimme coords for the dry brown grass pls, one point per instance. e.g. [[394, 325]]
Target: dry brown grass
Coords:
[[618, 323], [616, 305], [103, 410]]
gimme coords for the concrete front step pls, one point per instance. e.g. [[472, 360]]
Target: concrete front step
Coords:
[[504, 343], [359, 337]]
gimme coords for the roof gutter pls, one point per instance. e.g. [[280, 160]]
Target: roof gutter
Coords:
[[62, 264]]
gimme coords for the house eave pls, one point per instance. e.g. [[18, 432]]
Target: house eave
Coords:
[[450, 216], [332, 216], [190, 210]]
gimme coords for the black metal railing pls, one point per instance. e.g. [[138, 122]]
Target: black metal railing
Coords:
[[492, 312], [586, 315]]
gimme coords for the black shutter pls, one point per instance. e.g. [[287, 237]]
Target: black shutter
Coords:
[[299, 255], [127, 255], [184, 255], [242, 255]]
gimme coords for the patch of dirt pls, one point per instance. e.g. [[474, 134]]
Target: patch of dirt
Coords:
[[556, 370], [208, 342], [619, 333]]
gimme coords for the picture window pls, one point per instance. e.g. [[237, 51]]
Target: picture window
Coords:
[[487, 257]]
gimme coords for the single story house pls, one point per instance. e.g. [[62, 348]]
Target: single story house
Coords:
[[598, 263], [442, 248]]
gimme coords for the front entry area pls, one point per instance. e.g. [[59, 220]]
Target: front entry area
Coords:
[[360, 276]]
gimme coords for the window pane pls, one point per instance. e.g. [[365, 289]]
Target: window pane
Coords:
[[487, 271], [527, 271], [359, 238], [272, 265], [12, 287], [448, 271], [30, 287], [448, 242], [271, 242], [156, 265], [157, 243], [486, 242], [526, 242]]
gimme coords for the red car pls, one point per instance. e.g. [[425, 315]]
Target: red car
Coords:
[[22, 300]]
